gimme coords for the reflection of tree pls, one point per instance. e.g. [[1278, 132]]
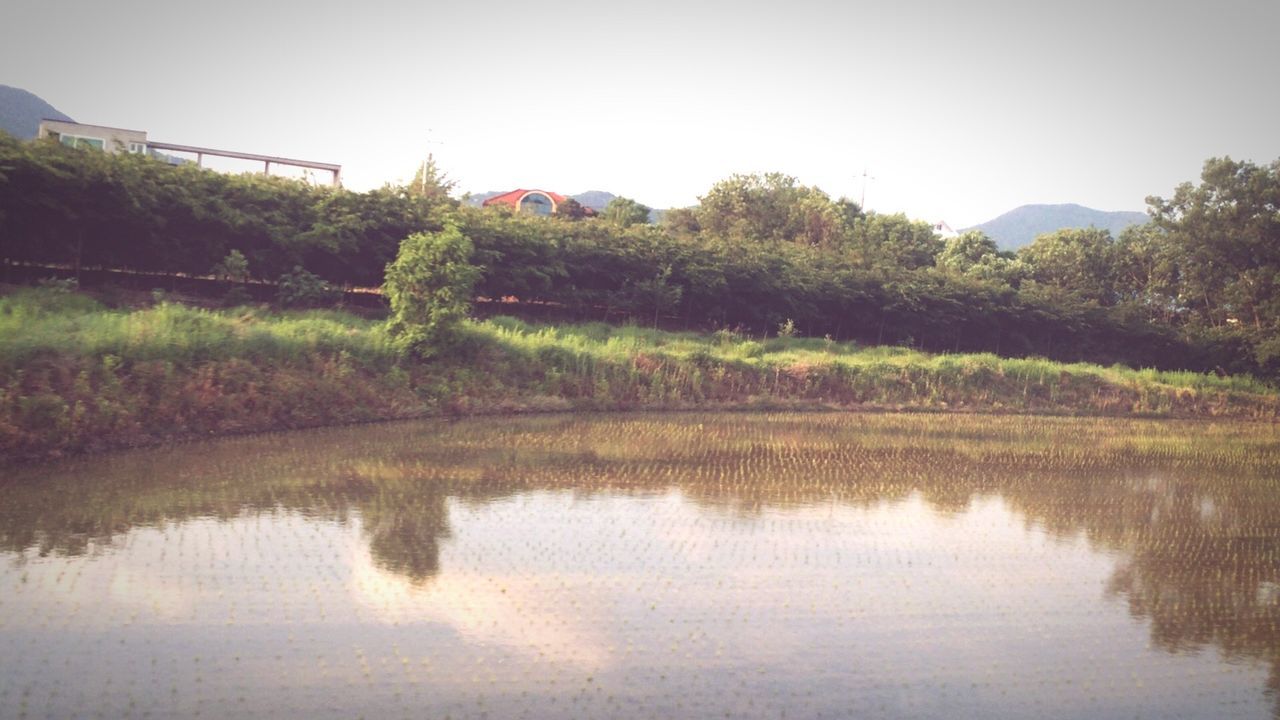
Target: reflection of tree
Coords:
[[405, 533], [1194, 522]]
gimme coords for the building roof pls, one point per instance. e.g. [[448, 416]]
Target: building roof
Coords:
[[513, 198], [87, 125]]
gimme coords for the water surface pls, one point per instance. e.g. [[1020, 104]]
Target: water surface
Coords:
[[653, 566]]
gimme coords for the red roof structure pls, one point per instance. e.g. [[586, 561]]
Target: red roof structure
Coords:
[[537, 202], [513, 198]]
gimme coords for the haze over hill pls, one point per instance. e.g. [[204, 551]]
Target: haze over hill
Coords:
[[1021, 225], [22, 111]]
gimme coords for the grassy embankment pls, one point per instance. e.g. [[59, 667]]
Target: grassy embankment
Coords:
[[76, 376]]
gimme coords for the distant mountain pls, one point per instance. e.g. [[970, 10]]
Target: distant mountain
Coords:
[[477, 199], [21, 112], [594, 199], [1021, 225]]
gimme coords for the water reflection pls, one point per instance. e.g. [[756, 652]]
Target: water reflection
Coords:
[[661, 566]]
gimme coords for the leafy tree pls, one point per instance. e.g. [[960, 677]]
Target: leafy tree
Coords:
[[429, 286], [570, 209], [431, 183], [974, 255], [892, 242], [657, 294], [773, 208], [1224, 236], [1146, 273], [625, 212], [682, 222], [299, 288], [1081, 261], [234, 267]]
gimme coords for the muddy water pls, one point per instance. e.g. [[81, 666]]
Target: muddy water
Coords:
[[653, 566]]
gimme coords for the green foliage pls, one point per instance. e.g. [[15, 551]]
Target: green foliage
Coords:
[[301, 289], [431, 183], [234, 267], [1198, 288], [74, 374], [1081, 261], [430, 287], [85, 208], [1224, 236], [893, 242], [625, 212], [570, 209], [37, 323], [773, 208], [58, 285]]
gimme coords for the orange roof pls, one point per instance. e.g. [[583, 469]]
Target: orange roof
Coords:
[[513, 198]]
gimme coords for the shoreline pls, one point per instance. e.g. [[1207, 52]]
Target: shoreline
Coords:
[[78, 378], [559, 406]]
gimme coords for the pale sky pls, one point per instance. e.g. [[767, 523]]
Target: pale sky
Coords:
[[959, 111]]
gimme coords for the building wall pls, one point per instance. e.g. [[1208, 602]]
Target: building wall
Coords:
[[111, 139]]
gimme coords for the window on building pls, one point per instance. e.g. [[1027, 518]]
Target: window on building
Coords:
[[536, 203], [137, 147], [79, 141]]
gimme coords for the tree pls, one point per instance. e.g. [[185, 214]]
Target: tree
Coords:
[[1079, 260], [892, 242], [431, 182], [625, 212], [232, 268], [656, 293], [976, 256], [430, 289], [773, 208], [570, 209], [1224, 240], [1146, 272], [681, 222]]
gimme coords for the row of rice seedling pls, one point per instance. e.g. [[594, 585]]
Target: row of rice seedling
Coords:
[[608, 565]]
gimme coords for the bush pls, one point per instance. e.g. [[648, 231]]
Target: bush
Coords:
[[305, 289], [429, 286]]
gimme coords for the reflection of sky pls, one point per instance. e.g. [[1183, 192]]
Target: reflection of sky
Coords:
[[608, 605]]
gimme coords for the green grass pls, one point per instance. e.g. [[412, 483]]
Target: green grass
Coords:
[[603, 342], [76, 375], [38, 322]]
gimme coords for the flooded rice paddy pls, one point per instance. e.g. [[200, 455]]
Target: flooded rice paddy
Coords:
[[653, 566]]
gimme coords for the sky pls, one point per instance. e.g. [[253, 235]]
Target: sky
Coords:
[[954, 112]]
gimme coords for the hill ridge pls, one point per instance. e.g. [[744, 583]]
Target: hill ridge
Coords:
[[1021, 225], [22, 110]]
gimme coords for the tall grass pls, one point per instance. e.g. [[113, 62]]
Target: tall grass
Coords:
[[599, 341], [76, 375], [40, 322]]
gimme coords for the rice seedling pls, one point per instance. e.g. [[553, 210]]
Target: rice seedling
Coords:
[[617, 566]]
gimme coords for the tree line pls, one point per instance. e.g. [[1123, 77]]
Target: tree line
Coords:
[[1198, 287]]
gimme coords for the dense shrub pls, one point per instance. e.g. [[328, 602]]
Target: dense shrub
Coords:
[[430, 286]]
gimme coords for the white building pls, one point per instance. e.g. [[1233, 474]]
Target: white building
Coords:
[[113, 140], [117, 140]]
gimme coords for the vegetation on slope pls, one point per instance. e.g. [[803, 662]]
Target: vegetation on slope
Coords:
[[76, 376], [1195, 289]]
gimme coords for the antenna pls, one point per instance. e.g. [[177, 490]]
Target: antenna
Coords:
[[423, 173], [862, 205]]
